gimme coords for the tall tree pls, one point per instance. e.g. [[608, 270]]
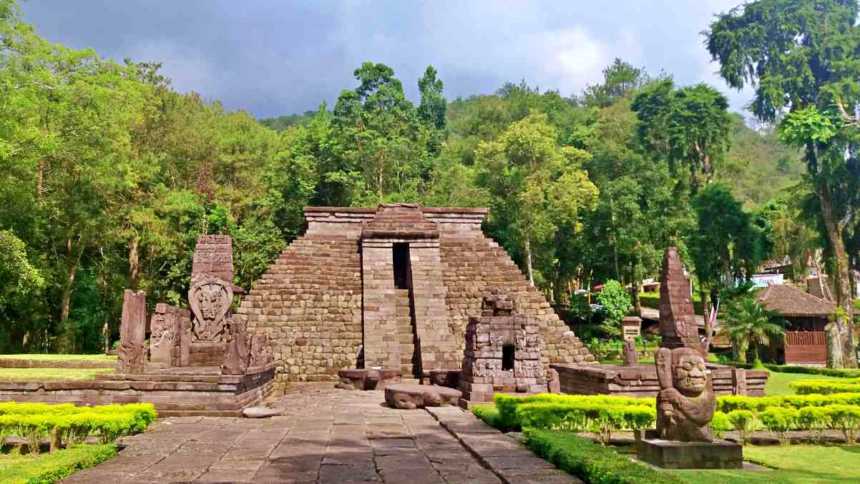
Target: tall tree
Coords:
[[800, 57], [687, 127], [536, 185], [433, 105]]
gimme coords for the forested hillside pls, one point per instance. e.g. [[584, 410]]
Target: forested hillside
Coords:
[[109, 175]]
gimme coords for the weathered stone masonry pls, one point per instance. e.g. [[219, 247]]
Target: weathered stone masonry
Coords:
[[395, 285]]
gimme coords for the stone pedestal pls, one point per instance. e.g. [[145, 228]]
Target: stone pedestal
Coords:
[[367, 378], [669, 454], [409, 396]]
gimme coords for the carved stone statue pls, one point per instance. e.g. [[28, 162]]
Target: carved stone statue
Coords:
[[210, 299], [132, 332], [686, 402], [631, 356], [237, 356], [261, 351]]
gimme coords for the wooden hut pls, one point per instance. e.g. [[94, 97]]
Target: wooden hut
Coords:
[[804, 341]]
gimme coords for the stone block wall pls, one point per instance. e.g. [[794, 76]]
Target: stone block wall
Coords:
[[381, 346], [310, 301]]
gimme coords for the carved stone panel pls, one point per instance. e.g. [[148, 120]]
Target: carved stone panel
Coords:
[[163, 334], [132, 332], [210, 299]]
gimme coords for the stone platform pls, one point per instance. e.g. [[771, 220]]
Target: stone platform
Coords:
[[641, 380], [174, 391], [720, 454], [326, 436], [409, 396]]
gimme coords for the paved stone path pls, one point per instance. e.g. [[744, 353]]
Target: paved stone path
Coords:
[[326, 436]]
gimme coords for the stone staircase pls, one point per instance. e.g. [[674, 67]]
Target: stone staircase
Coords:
[[405, 334]]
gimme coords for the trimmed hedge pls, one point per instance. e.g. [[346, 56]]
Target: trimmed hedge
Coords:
[[825, 387], [49, 468], [811, 370], [604, 414], [507, 404], [589, 461], [67, 424], [599, 418]]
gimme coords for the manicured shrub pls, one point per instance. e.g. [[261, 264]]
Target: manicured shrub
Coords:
[[595, 417], [816, 419], [779, 420], [720, 423], [488, 413], [743, 421], [845, 418], [825, 387], [811, 370], [68, 424], [591, 462], [507, 404]]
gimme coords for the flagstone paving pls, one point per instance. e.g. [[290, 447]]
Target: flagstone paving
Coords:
[[326, 436]]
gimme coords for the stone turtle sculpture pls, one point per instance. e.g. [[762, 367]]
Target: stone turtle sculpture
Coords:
[[686, 402], [409, 396]]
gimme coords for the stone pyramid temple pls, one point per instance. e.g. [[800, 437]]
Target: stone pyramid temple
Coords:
[[391, 287]]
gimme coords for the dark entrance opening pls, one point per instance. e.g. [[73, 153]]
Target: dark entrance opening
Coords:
[[508, 356], [401, 265]]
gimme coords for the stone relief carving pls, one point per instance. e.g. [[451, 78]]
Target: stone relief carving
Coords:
[[210, 299]]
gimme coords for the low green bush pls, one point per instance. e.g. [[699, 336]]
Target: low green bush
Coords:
[[825, 387], [744, 421], [488, 413], [507, 404], [735, 402], [845, 418], [720, 423], [598, 418], [68, 424], [812, 370], [779, 420], [589, 461]]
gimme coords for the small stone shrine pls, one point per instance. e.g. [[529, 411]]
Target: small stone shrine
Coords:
[[678, 329], [685, 406], [205, 348], [503, 352]]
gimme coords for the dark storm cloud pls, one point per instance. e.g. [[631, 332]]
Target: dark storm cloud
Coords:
[[277, 57]]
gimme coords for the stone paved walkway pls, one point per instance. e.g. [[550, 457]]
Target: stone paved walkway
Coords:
[[326, 436]]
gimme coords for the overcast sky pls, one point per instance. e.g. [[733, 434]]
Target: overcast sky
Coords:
[[273, 57]]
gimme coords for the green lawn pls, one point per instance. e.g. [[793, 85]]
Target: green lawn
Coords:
[[789, 464], [58, 357], [20, 469], [29, 374], [777, 383]]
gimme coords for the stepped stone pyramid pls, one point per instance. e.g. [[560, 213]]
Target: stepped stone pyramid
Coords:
[[391, 287]]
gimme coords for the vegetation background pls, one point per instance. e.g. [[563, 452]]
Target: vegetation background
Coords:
[[108, 175]]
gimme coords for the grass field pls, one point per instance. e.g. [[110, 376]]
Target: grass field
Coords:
[[20, 469], [777, 383], [789, 465], [29, 374], [58, 357]]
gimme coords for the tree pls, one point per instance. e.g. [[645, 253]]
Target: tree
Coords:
[[619, 80], [687, 126], [727, 245], [615, 302], [800, 56], [747, 323], [536, 185], [377, 134], [433, 105]]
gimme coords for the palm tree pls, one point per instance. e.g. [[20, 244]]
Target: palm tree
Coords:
[[748, 322]]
